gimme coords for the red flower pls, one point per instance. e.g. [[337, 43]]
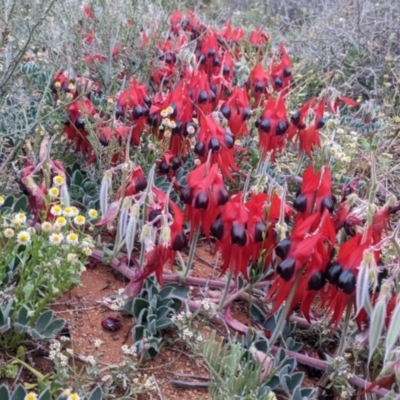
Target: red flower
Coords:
[[238, 230], [297, 119], [118, 131], [177, 110], [237, 111], [257, 38], [258, 84], [342, 274], [200, 92], [136, 182], [281, 74], [343, 211], [212, 137], [335, 100], [169, 164], [88, 13], [272, 127], [175, 21], [133, 105], [309, 136], [74, 127], [306, 249], [230, 35], [315, 194], [221, 83], [203, 196], [192, 24], [208, 54], [169, 238]]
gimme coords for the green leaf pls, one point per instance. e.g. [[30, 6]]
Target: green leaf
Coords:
[[137, 332], [306, 393], [164, 323], [163, 312], [44, 321], [285, 381], [290, 363], [4, 394], [21, 204], [77, 178], [19, 393], [393, 331], [36, 335], [273, 383], [257, 314], [296, 395], [97, 394], [262, 345], [295, 380], [54, 328], [176, 304], [45, 395], [279, 357], [377, 321], [23, 317], [138, 305], [9, 201], [293, 345], [166, 291], [28, 289]]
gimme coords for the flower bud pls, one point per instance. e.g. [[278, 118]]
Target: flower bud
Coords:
[[165, 236]]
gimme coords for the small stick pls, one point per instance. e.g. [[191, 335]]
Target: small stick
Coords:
[[157, 387], [201, 378], [189, 385]]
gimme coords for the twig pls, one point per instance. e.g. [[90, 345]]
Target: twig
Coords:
[[189, 385], [202, 378], [157, 387], [204, 261]]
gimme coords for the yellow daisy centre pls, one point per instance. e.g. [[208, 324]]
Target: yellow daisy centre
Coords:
[[24, 237], [31, 396], [56, 210], [61, 221], [93, 213], [72, 238], [54, 192], [58, 180], [68, 211], [79, 219]]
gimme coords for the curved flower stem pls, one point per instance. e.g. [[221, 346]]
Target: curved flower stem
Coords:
[[282, 319], [226, 291], [343, 337], [191, 253]]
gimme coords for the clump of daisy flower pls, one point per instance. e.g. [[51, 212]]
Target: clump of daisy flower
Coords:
[[24, 237]]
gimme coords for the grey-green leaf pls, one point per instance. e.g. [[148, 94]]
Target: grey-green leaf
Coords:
[[377, 321], [393, 331]]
